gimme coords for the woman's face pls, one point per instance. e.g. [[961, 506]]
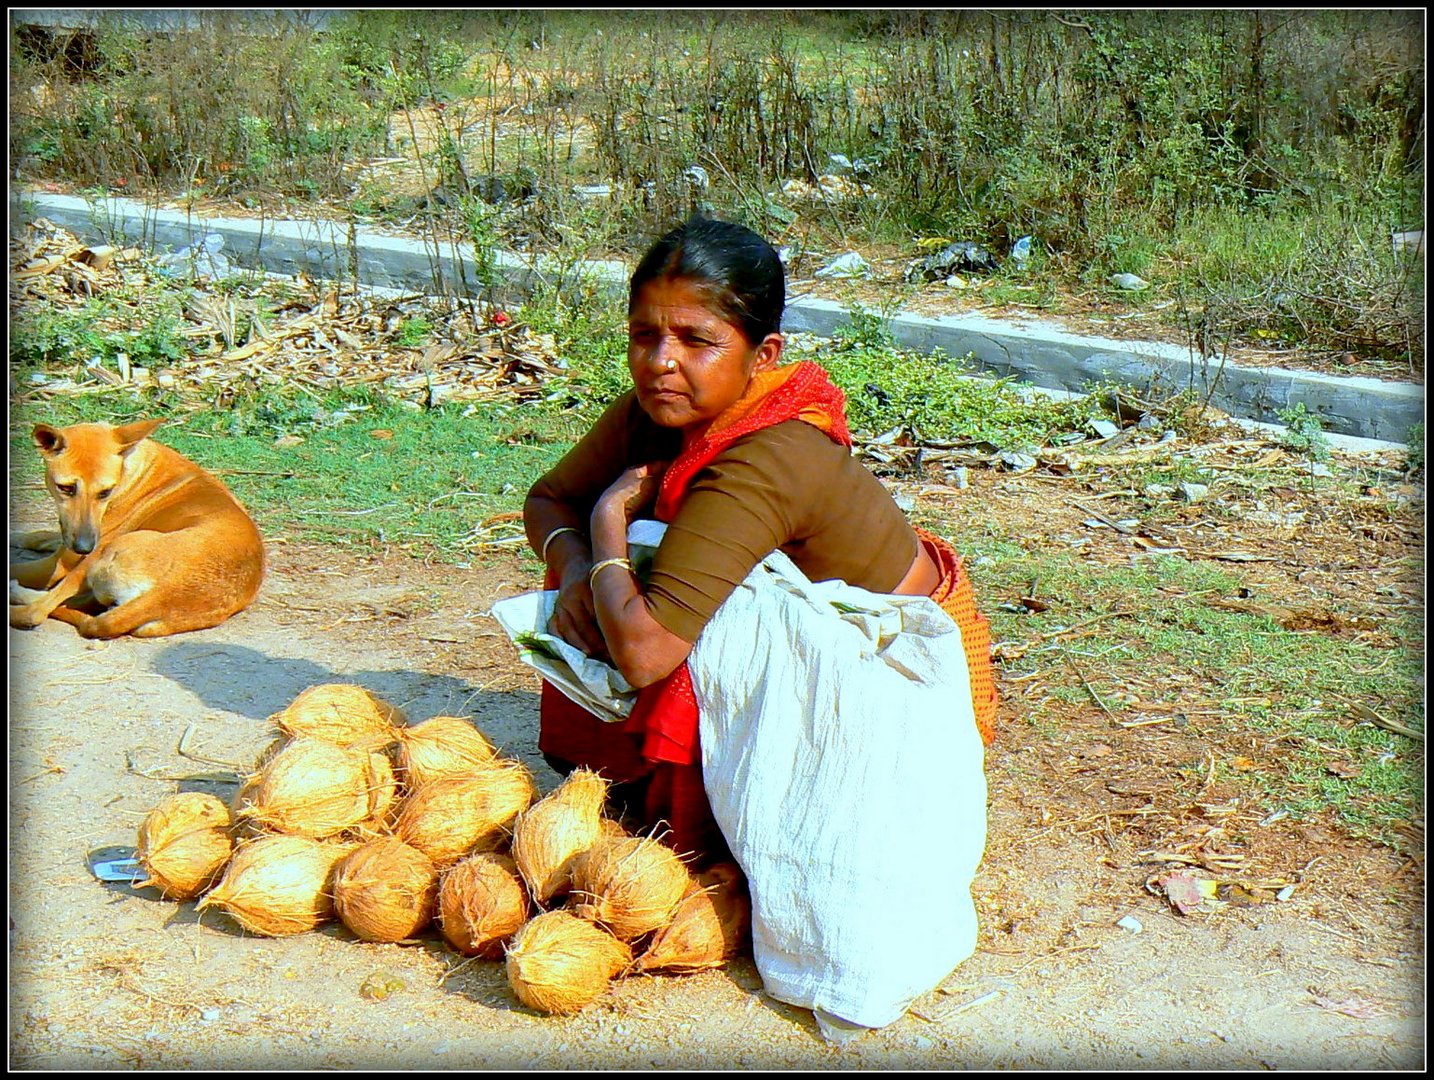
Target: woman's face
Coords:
[[688, 362]]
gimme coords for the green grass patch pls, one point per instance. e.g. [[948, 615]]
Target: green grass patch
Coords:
[[369, 470], [1295, 692]]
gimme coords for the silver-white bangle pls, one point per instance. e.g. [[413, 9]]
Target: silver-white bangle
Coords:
[[548, 540]]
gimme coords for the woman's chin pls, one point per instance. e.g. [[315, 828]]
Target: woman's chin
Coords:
[[669, 413]]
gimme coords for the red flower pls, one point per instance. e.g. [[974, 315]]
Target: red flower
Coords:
[[501, 318]]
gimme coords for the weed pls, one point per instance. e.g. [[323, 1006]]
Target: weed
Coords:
[[412, 332]]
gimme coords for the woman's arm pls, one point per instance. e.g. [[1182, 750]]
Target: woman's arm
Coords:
[[559, 527], [642, 649]]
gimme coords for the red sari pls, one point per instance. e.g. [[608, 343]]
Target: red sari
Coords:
[[660, 738]]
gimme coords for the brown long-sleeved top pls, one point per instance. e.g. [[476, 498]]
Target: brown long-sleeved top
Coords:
[[788, 486]]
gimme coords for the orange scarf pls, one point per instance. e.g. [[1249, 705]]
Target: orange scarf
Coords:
[[665, 714]]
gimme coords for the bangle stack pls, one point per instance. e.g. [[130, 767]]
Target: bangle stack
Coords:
[[626, 564], [548, 540]]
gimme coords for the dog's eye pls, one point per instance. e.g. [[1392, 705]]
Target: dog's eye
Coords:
[[106, 493], [65, 489]]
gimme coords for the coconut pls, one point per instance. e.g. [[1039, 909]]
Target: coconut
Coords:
[[382, 795], [279, 885], [386, 890], [452, 817], [549, 835], [708, 927], [608, 828], [629, 885], [316, 788], [184, 844], [481, 904], [340, 713], [557, 963], [442, 746]]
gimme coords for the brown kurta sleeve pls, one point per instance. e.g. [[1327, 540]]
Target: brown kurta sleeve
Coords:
[[788, 487], [624, 435]]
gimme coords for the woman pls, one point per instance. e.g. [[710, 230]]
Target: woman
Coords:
[[741, 456]]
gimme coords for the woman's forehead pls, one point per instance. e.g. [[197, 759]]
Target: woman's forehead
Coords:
[[676, 300]]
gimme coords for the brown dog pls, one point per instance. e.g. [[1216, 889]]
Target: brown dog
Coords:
[[145, 534]]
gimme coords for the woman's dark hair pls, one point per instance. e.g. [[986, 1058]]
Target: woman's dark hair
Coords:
[[741, 273]]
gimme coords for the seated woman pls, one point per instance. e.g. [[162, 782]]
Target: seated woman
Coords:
[[742, 457]]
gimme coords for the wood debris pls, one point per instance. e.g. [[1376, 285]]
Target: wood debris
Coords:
[[275, 331]]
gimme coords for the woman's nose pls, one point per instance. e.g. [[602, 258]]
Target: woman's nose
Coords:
[[663, 355]]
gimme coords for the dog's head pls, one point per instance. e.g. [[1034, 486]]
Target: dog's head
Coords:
[[84, 467]]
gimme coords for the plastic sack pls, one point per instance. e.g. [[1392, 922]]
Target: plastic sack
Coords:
[[595, 685], [842, 761]]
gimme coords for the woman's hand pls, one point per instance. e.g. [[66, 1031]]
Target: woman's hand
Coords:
[[632, 492], [574, 617]]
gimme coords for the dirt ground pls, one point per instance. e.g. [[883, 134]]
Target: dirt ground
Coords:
[[103, 976]]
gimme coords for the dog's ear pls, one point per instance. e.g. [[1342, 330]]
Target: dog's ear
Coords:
[[131, 435], [51, 441]]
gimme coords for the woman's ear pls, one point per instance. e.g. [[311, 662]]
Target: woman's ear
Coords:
[[769, 353]]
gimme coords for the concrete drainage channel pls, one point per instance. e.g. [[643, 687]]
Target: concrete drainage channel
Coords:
[[1365, 411]]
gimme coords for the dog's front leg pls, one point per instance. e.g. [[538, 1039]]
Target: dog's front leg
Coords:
[[35, 607]]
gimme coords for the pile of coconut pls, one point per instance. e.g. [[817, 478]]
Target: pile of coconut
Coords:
[[356, 815]]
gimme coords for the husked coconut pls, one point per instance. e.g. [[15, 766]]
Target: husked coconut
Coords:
[[184, 844], [455, 816], [555, 830], [442, 746], [558, 963], [481, 904], [708, 927], [341, 713], [385, 890], [631, 885], [315, 788], [279, 885]]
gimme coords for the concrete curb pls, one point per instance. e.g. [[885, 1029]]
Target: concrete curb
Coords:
[[1029, 351]]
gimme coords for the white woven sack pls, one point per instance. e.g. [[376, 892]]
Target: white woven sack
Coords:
[[842, 761]]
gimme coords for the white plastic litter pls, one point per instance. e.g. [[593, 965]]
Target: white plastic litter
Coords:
[[850, 265], [843, 764], [1131, 282], [205, 258]]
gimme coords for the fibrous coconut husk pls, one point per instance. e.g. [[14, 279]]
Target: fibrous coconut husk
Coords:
[[455, 816], [184, 844], [316, 788], [279, 885], [383, 795], [442, 746], [386, 890], [558, 963], [340, 713], [608, 828], [481, 904], [631, 885], [549, 835], [708, 928]]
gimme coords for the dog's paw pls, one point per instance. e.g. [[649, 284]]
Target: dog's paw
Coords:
[[26, 618], [21, 595]]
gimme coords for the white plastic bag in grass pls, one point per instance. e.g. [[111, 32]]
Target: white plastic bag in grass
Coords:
[[842, 761]]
